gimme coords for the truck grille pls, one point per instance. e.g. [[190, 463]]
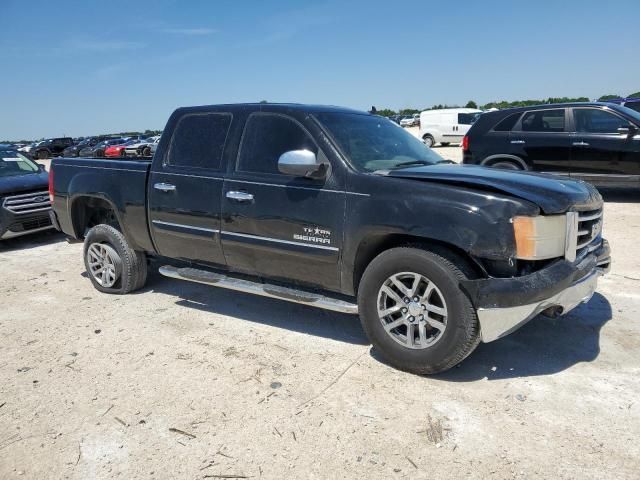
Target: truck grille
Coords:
[[589, 230], [27, 202]]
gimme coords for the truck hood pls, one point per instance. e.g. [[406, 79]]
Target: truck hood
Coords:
[[552, 194], [24, 183]]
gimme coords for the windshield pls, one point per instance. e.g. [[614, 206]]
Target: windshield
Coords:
[[13, 163], [629, 112], [373, 143]]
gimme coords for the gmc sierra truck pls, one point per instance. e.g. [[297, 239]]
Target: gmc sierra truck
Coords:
[[341, 210]]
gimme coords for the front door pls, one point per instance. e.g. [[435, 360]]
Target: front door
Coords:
[[602, 154], [185, 190], [542, 139], [278, 226]]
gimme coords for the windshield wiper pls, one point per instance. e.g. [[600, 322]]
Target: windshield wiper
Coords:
[[444, 160], [411, 162]]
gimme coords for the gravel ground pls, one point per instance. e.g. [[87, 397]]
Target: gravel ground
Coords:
[[187, 381]]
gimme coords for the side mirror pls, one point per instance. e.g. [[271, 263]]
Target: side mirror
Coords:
[[301, 163], [629, 131]]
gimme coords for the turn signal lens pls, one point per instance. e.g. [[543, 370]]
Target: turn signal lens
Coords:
[[540, 238]]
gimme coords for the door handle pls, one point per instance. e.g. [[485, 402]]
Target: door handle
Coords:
[[518, 142], [165, 187], [239, 196], [580, 144]]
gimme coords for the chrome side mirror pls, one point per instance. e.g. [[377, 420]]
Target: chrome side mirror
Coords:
[[301, 163], [628, 131]]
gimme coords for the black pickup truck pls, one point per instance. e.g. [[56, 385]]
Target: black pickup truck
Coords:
[[341, 210]]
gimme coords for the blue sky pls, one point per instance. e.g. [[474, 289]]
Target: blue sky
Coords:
[[88, 67]]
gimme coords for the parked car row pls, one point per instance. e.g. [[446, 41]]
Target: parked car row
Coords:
[[95, 147]]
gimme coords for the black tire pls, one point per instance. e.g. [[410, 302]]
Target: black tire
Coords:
[[99, 153], [445, 144], [131, 266], [428, 140], [146, 152], [462, 333], [42, 154], [506, 165]]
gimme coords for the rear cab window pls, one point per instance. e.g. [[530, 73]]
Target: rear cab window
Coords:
[[198, 141]]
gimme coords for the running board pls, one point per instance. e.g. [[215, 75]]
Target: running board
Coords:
[[262, 289]]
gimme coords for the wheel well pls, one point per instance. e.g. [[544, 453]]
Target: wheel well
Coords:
[[372, 247], [505, 158], [87, 212]]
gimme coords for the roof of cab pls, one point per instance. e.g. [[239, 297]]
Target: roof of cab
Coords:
[[284, 107]]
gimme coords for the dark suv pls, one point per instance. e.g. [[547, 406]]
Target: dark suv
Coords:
[[596, 142], [52, 147]]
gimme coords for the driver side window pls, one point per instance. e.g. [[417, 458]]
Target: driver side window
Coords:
[[267, 136], [590, 120]]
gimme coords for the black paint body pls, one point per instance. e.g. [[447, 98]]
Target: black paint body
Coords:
[[603, 158], [354, 215]]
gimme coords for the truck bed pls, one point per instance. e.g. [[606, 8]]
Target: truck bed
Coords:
[[121, 183]]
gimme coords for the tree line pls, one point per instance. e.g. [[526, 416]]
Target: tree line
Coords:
[[387, 112]]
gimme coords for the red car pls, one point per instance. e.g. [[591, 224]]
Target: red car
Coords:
[[118, 150]]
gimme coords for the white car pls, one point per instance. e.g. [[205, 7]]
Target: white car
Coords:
[[446, 126], [410, 121], [139, 148]]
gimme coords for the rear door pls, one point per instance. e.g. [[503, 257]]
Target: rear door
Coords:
[[276, 225], [542, 138], [185, 189], [601, 154]]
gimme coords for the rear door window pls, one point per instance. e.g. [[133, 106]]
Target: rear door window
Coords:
[[267, 136], [198, 141], [544, 121]]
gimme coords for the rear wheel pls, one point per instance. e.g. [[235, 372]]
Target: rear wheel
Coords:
[[506, 165], [428, 140], [43, 155], [112, 265], [414, 312]]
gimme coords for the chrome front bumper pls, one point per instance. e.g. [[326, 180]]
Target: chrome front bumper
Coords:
[[495, 323]]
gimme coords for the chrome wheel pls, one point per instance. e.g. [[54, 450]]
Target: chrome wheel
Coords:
[[102, 260], [412, 310]]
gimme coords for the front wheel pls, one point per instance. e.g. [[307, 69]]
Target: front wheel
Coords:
[[414, 312], [429, 141], [42, 155], [112, 265]]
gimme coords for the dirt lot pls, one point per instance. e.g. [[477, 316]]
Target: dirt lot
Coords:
[[187, 381]]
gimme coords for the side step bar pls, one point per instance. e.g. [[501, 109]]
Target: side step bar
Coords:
[[262, 289]]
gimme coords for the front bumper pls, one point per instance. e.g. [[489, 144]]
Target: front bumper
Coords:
[[504, 305]]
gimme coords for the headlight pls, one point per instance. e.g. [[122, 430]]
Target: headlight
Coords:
[[540, 238]]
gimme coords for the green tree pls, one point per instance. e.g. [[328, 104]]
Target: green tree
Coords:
[[471, 104], [408, 111], [604, 98], [635, 95], [386, 112]]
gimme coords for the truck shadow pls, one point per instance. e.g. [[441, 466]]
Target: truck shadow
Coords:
[[31, 241], [256, 309], [544, 346]]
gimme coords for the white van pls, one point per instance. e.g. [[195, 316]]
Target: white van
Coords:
[[446, 126]]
